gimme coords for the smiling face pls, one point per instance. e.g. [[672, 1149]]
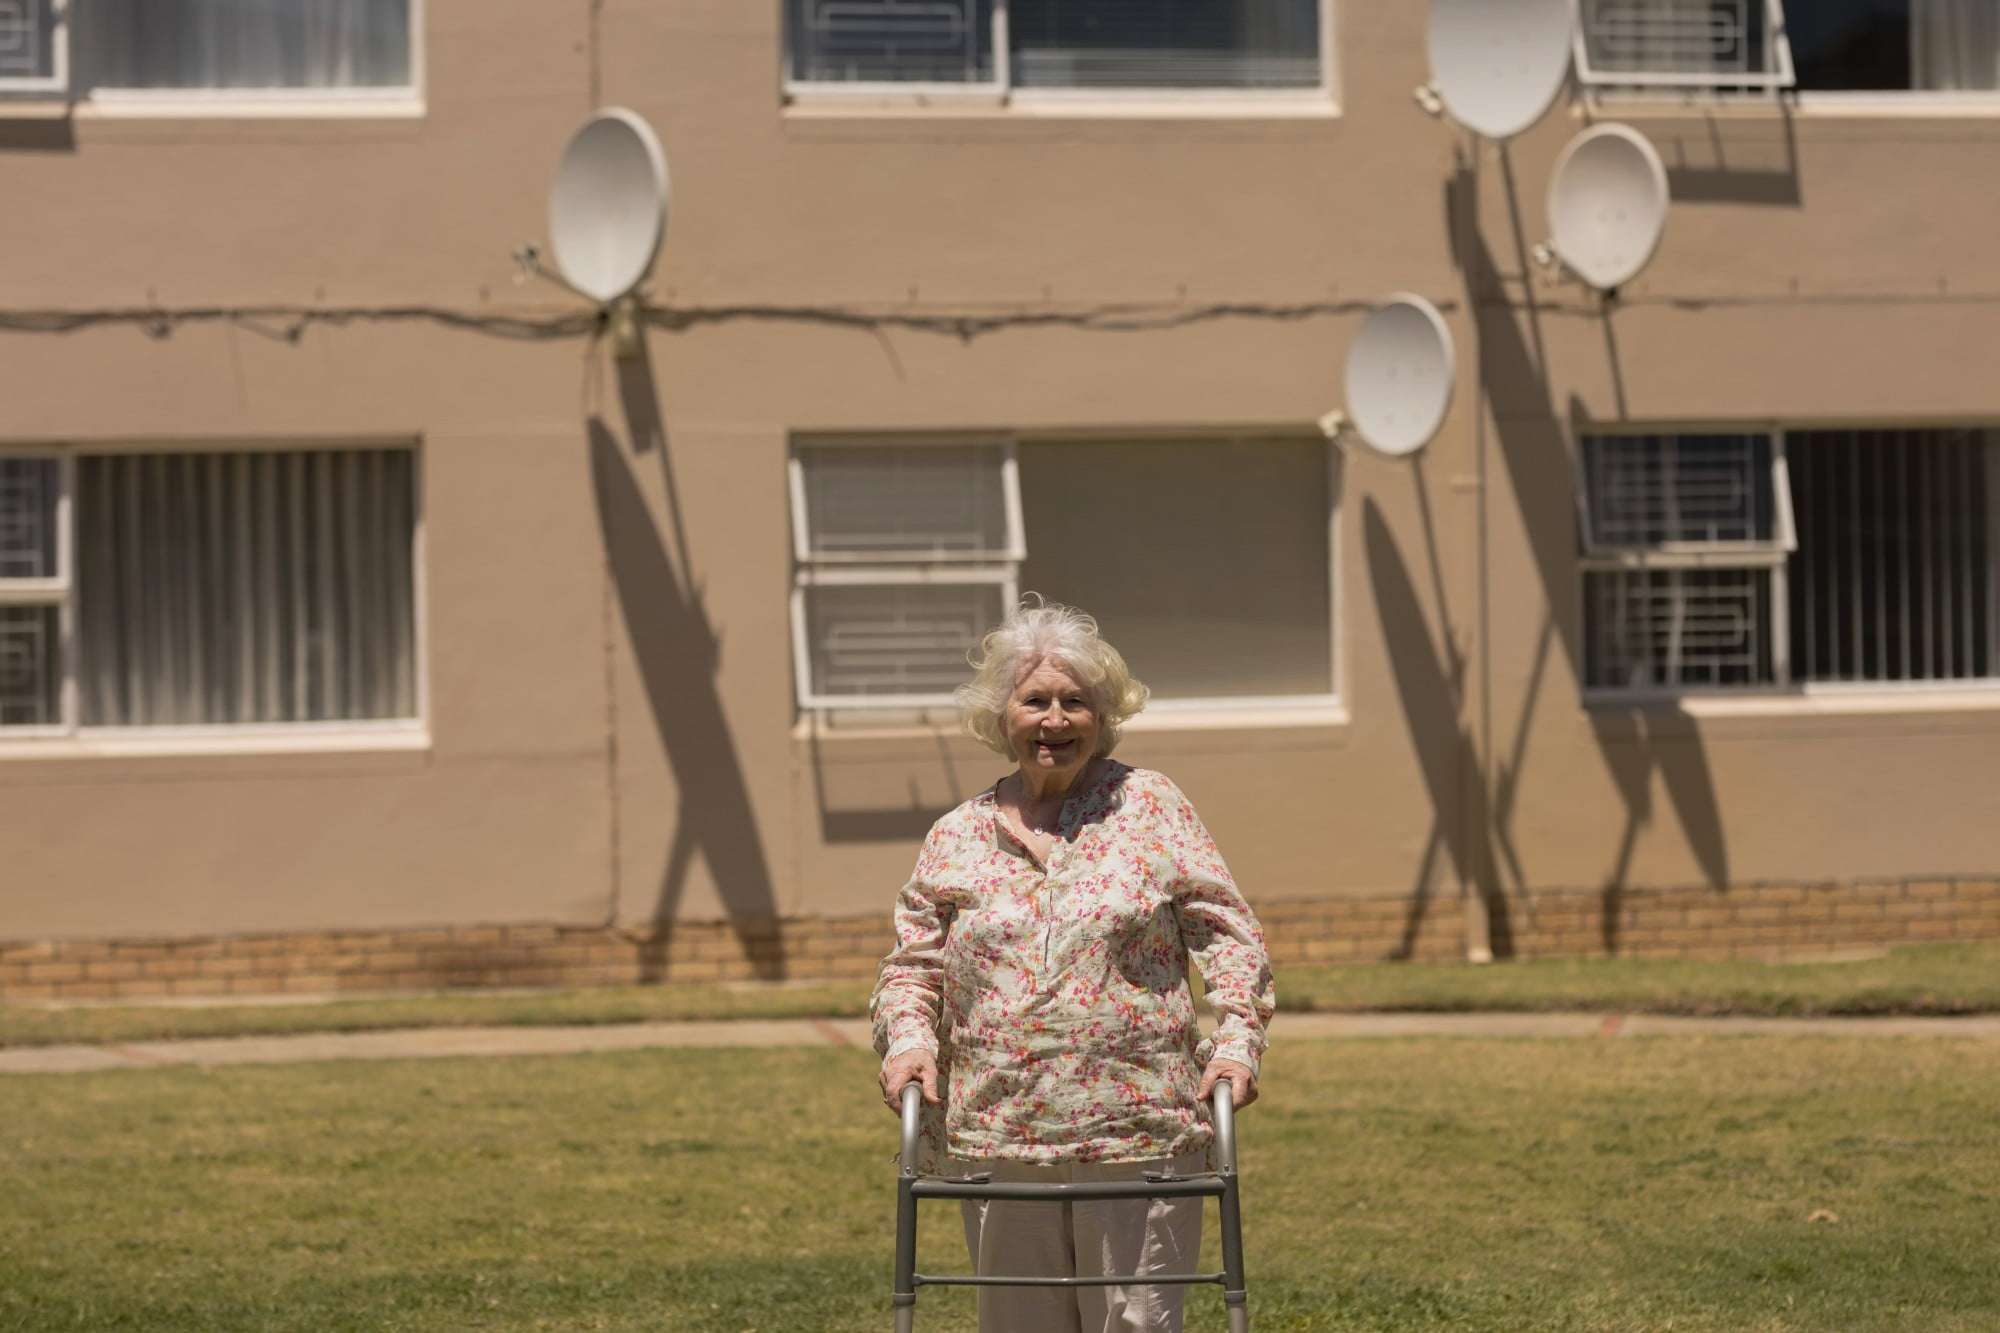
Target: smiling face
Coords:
[[1051, 724]]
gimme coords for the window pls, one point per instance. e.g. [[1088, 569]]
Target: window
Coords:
[[1005, 45], [184, 589], [907, 554], [1893, 578], [342, 48], [1788, 559], [34, 589], [1811, 45], [1207, 562]]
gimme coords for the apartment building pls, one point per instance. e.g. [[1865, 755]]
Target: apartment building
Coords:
[[367, 621]]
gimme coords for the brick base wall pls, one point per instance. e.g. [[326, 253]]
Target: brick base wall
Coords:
[[1757, 920]]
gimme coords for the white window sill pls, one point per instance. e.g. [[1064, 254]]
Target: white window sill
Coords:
[[808, 102], [400, 104], [148, 742], [1836, 701], [1666, 105]]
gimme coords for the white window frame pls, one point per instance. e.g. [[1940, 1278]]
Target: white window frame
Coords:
[[1193, 712], [58, 592], [404, 101], [1005, 577], [56, 82], [72, 739], [999, 95], [1773, 555], [863, 569]]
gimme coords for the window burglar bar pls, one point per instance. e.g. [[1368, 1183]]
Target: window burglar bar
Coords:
[[1683, 43], [1678, 628], [1887, 577], [35, 618], [887, 39], [1701, 34], [1220, 1184], [1679, 491]]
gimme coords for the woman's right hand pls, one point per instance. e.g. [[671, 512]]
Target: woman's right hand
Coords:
[[909, 1067]]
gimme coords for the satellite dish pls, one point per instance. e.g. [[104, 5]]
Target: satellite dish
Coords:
[[1499, 67], [1400, 370], [608, 206], [1608, 205]]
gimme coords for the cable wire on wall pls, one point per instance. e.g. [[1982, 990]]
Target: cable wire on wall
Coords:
[[289, 323]]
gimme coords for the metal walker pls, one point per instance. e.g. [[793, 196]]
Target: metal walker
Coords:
[[1221, 1183]]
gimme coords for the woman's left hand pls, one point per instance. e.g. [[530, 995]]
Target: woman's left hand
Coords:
[[1242, 1083]]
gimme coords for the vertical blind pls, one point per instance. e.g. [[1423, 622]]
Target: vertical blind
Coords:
[[244, 43], [246, 587], [1205, 561], [1955, 45], [1893, 576]]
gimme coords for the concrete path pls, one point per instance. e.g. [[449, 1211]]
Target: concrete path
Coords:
[[429, 1043]]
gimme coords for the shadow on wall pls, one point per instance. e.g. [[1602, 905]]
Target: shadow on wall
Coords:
[[870, 820], [678, 656], [1474, 819], [1738, 161], [54, 135], [1430, 686]]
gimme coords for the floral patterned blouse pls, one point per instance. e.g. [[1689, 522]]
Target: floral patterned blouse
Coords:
[[1055, 998]]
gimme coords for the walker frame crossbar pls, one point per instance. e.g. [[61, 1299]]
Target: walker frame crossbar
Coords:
[[1220, 1183]]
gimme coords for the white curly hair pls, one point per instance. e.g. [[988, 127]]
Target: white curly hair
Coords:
[[1035, 631]]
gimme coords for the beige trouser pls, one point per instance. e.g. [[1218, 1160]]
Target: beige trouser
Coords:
[[1017, 1238]]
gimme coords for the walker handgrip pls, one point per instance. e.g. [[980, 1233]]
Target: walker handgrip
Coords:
[[1223, 1099], [913, 1098]]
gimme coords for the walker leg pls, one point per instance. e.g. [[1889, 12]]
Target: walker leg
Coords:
[[905, 1288], [1233, 1294]]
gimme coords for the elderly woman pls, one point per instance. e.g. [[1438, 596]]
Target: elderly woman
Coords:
[[1038, 987]]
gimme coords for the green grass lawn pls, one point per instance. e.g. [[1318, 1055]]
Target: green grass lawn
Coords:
[[1639, 1184], [1916, 979]]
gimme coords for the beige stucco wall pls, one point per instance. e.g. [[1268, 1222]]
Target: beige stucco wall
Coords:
[[606, 546]]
